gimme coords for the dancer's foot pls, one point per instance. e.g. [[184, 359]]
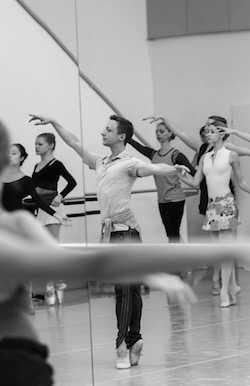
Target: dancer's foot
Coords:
[[50, 295], [135, 352], [216, 288], [123, 361], [233, 292], [60, 287], [224, 299]]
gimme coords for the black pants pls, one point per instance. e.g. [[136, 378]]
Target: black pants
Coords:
[[171, 214], [128, 298]]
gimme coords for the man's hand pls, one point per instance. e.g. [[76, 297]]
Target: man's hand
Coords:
[[182, 169]]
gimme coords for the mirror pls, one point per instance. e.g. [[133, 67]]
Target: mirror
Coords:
[[39, 74]]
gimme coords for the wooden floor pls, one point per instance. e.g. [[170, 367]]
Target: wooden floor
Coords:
[[205, 345]]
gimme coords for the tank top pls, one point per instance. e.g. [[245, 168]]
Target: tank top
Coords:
[[217, 171], [168, 187]]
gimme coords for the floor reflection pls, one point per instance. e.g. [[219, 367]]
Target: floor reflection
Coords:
[[202, 345]]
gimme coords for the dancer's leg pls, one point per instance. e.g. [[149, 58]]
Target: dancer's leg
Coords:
[[216, 269], [227, 271], [55, 289]]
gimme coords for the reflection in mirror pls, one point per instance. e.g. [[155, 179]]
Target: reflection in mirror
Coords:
[[39, 76]]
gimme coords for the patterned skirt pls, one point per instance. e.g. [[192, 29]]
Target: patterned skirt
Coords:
[[222, 213]]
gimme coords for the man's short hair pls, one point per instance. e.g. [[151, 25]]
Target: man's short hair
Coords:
[[124, 127]]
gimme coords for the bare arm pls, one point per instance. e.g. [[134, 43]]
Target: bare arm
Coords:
[[32, 253], [240, 134], [194, 181], [235, 162], [66, 136], [185, 137], [27, 251], [160, 169], [241, 151], [195, 160]]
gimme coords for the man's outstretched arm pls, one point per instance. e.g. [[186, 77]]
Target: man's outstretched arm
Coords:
[[68, 137]]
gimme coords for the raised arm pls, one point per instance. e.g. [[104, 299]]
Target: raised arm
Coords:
[[66, 136], [147, 169], [240, 134], [235, 162], [181, 159], [241, 151], [147, 151], [185, 137]]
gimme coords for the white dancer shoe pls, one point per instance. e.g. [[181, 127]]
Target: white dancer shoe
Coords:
[[135, 352], [123, 361], [50, 295], [232, 295], [60, 287]]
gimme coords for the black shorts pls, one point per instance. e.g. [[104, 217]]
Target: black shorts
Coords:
[[23, 362]]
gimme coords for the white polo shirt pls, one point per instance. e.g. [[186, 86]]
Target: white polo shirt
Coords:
[[115, 179]]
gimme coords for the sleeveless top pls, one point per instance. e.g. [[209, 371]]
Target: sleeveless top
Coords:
[[168, 187], [217, 171]]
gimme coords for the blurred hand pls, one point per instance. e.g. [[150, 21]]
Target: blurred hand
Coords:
[[177, 290], [23, 225], [225, 130], [65, 221]]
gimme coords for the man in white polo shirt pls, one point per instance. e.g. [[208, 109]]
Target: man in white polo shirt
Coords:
[[116, 175]]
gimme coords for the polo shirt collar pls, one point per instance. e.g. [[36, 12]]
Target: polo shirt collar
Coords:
[[123, 154]]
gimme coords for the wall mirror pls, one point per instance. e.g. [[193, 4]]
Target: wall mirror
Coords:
[[39, 74]]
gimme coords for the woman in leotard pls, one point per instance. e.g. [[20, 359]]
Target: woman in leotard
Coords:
[[17, 185], [45, 176], [171, 197], [221, 217]]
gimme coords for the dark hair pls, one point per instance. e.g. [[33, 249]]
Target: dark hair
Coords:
[[49, 137], [22, 150], [124, 127], [172, 136], [218, 118], [4, 146], [202, 129], [220, 124]]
